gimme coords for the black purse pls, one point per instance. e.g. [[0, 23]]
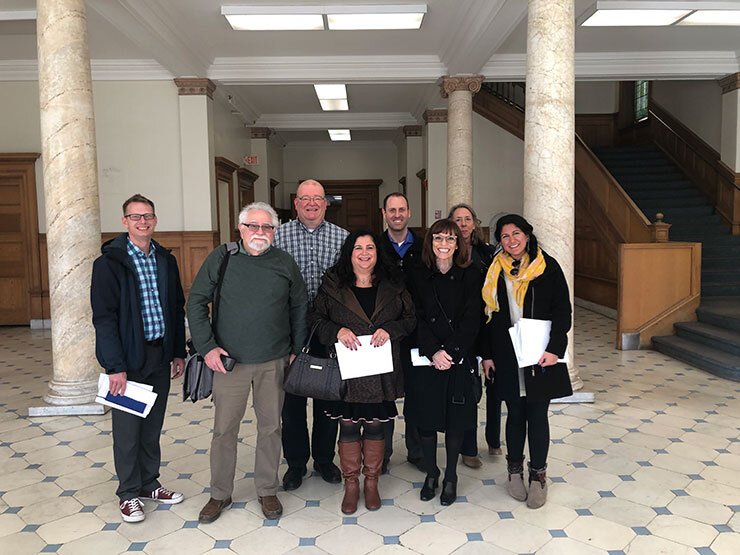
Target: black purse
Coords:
[[315, 377]]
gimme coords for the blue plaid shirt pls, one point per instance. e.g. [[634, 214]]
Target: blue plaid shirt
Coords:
[[151, 308], [314, 251]]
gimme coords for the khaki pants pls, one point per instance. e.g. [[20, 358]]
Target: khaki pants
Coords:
[[230, 394]]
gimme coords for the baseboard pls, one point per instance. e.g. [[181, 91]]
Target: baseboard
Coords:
[[597, 308]]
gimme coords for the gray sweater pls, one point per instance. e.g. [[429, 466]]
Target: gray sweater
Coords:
[[262, 312]]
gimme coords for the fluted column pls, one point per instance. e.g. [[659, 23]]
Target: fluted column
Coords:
[[71, 194], [549, 135], [459, 91]]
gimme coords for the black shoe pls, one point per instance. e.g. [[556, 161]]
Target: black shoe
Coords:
[[418, 463], [428, 490], [384, 469], [293, 477], [449, 493], [329, 472]]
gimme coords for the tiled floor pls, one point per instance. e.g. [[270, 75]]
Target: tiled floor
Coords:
[[652, 467]]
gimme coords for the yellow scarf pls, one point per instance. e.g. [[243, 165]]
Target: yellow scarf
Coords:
[[527, 272]]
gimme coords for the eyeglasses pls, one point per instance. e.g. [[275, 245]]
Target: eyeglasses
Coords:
[[315, 198], [444, 238], [515, 267], [137, 217], [254, 228]]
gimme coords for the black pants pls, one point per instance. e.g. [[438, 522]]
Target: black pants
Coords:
[[413, 443], [295, 432], [493, 424], [528, 420], [136, 452]]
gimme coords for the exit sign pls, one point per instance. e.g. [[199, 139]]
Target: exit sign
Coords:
[[252, 160]]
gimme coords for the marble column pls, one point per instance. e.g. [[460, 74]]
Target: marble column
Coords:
[[72, 206], [459, 91], [549, 136]]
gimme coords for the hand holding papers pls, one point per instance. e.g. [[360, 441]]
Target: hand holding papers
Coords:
[[138, 399], [530, 338], [366, 360]]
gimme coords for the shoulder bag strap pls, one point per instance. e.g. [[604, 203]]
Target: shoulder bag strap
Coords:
[[230, 249]]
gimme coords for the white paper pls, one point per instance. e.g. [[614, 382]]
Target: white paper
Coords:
[[530, 338], [141, 392], [366, 360], [419, 360]]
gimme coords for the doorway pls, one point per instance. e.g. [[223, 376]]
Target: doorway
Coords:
[[353, 203]]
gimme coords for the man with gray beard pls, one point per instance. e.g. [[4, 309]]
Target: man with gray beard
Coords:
[[261, 322]]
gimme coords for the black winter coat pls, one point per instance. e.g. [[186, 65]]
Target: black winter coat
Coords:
[[430, 392], [337, 307], [547, 298], [116, 308]]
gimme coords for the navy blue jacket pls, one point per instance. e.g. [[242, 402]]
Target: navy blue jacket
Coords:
[[116, 307]]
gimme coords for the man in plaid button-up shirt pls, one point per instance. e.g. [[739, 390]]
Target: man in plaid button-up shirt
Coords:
[[314, 243]]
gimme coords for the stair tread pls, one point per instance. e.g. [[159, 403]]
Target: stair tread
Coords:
[[715, 356], [710, 330]]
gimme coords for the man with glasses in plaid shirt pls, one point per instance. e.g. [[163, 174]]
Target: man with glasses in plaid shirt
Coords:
[[314, 243], [138, 314]]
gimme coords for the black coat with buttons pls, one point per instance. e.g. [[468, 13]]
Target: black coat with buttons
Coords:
[[443, 400], [337, 307]]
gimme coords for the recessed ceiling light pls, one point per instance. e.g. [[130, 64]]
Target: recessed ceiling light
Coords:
[[633, 18], [713, 17], [331, 90], [373, 21], [274, 18], [339, 135], [333, 104]]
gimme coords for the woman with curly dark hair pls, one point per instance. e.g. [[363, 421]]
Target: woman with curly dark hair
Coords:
[[446, 292], [363, 294]]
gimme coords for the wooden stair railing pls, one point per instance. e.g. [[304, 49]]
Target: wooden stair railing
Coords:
[[699, 161]]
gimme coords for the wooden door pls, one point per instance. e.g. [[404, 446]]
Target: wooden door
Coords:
[[355, 204], [19, 243]]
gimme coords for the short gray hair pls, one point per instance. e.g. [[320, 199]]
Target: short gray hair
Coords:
[[259, 206]]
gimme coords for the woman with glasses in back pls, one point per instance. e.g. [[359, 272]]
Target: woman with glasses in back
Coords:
[[446, 291], [480, 256], [525, 282]]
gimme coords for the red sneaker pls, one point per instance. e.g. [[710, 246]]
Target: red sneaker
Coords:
[[163, 495], [131, 510]]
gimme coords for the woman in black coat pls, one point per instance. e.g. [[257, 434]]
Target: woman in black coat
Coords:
[[446, 293], [481, 256], [525, 282], [363, 294]]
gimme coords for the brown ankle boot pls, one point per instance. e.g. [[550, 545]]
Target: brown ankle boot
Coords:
[[372, 451], [350, 460], [537, 487], [515, 486]]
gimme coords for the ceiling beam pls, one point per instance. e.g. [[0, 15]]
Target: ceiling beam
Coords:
[[335, 120]]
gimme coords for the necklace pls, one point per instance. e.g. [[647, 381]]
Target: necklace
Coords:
[[364, 281]]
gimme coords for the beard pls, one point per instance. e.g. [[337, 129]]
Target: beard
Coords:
[[259, 244]]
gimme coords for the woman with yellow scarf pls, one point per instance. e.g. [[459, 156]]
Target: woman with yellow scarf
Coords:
[[523, 281]]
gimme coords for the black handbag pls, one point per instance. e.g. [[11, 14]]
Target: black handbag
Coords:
[[315, 377]]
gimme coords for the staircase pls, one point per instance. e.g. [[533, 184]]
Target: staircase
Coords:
[[656, 184]]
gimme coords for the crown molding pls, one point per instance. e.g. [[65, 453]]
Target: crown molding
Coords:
[[337, 120], [312, 145], [626, 65], [730, 83], [102, 70], [272, 70]]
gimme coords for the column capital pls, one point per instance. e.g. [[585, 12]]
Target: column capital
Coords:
[[412, 130], [435, 116], [451, 83], [197, 86], [261, 132], [730, 83]]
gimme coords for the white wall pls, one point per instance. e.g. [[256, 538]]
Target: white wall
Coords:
[[731, 130], [231, 136], [414, 163], [275, 168], [353, 160], [697, 104], [435, 160], [597, 97], [498, 170]]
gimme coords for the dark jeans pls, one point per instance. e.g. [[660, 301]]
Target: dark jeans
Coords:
[[528, 420], [493, 424], [136, 452], [295, 432]]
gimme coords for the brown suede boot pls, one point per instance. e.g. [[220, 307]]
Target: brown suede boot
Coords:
[[350, 460], [516, 487], [372, 451], [537, 487]]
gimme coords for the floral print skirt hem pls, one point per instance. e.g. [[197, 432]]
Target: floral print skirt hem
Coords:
[[362, 412]]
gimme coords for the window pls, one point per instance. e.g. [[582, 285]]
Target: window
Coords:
[[641, 100]]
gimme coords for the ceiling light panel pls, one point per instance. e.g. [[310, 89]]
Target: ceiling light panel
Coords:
[[634, 18], [333, 104], [340, 135], [274, 18], [373, 21], [331, 91], [713, 17]]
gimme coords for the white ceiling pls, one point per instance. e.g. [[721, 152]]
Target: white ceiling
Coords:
[[391, 76]]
